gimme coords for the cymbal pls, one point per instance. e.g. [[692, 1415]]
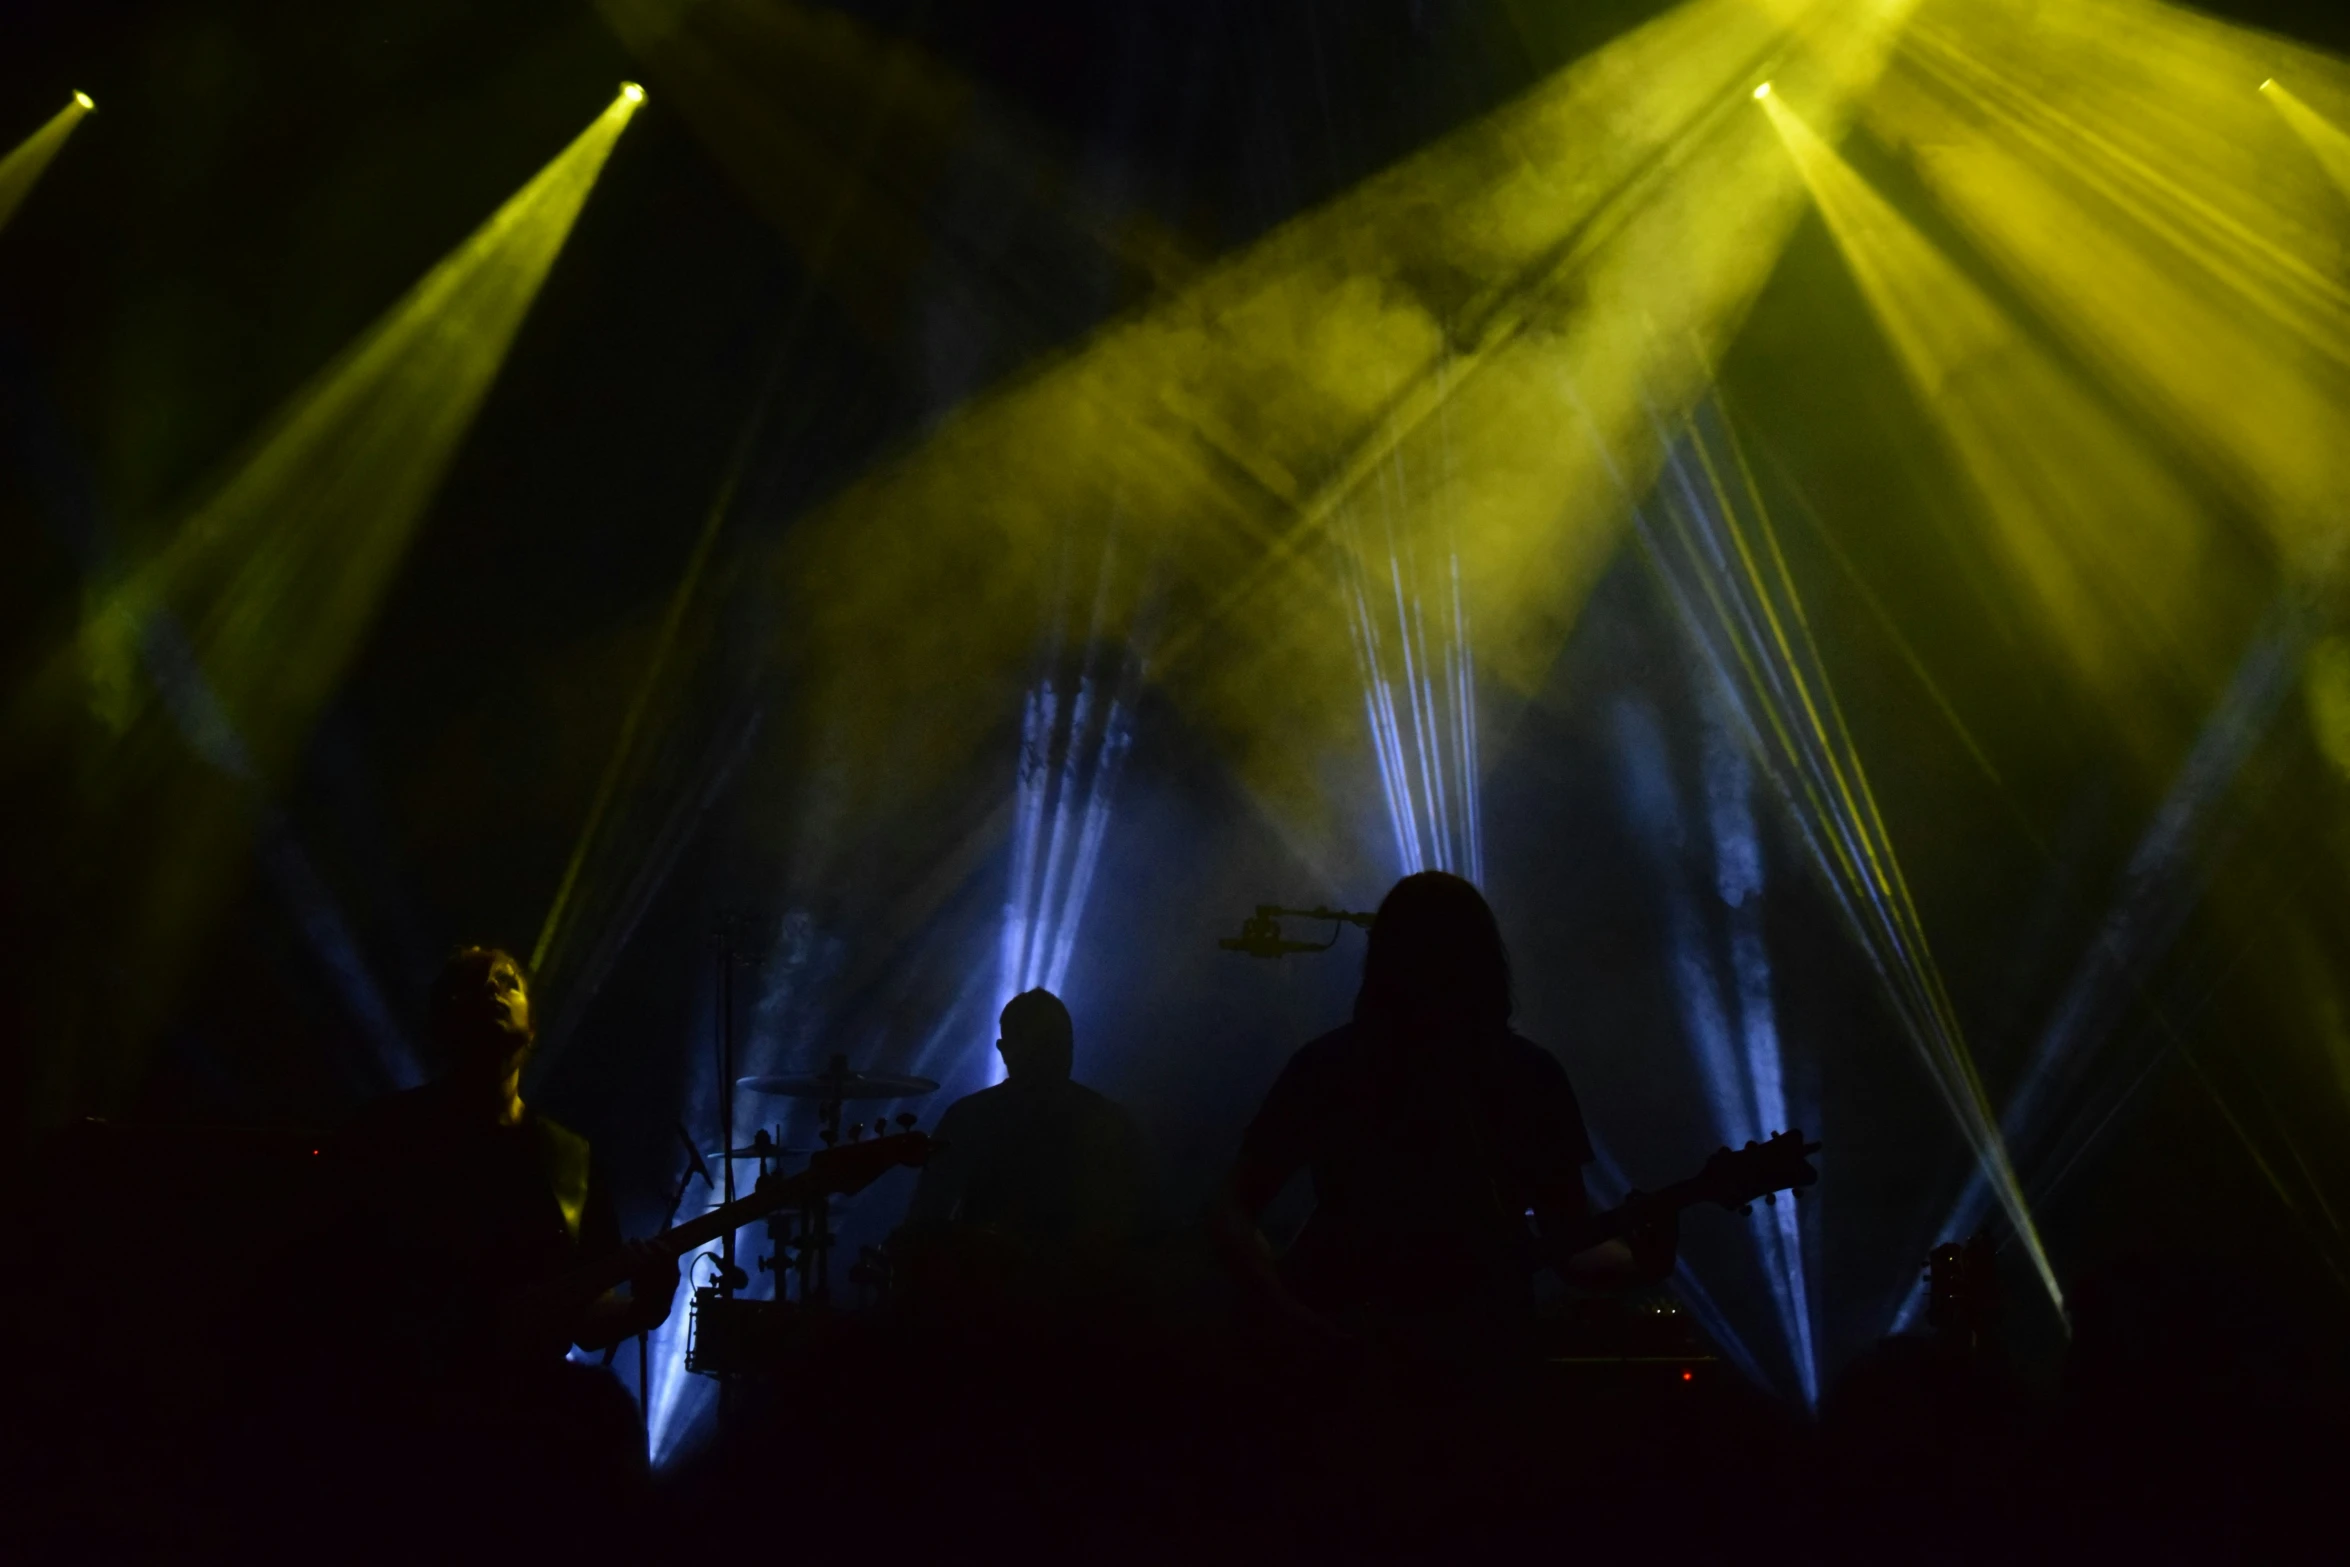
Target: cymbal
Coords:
[[839, 1085]]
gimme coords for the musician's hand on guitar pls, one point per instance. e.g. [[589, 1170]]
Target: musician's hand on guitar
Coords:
[[652, 1283]]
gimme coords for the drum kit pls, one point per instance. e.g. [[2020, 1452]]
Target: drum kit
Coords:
[[731, 1334]]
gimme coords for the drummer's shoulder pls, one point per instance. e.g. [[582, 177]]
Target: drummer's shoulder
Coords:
[[978, 1103]]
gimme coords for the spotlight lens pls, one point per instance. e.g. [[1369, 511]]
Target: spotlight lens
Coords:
[[83, 100], [2269, 85], [1764, 91], [632, 92]]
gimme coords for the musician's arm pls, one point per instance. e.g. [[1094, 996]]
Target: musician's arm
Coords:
[[1562, 1212], [1272, 1151], [1607, 1267], [1248, 1190], [1641, 1256], [1634, 1254], [1232, 1219], [615, 1317]]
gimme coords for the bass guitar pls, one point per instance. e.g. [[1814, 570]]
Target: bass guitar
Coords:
[[538, 1318]]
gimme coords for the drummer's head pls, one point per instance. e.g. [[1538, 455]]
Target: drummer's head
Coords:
[[1038, 1039], [481, 1009]]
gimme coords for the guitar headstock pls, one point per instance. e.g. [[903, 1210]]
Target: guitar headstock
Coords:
[[1734, 1177], [853, 1166]]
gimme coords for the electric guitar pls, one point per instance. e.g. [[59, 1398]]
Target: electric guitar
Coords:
[[1732, 1178], [539, 1318], [1358, 1289]]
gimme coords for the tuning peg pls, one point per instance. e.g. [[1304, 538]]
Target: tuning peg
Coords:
[[1750, 1142], [1770, 1199], [905, 1120]]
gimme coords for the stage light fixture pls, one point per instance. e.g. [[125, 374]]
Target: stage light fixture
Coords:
[[1762, 92], [632, 92], [21, 166], [84, 102]]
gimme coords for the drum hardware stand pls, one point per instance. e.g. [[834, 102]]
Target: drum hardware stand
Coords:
[[723, 1331], [644, 1368], [816, 1235], [725, 946], [685, 1181]]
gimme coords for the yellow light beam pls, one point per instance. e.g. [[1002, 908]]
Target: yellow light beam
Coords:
[[21, 169], [2133, 581], [632, 721], [1651, 344], [1400, 363], [2110, 157], [277, 574], [269, 585], [2325, 138], [2014, 426]]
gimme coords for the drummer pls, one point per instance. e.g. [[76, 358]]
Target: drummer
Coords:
[[1040, 1161]]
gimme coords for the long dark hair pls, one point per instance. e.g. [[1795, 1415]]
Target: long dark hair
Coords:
[[1436, 963]]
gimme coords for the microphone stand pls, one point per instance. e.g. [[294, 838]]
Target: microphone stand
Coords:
[[1260, 934]]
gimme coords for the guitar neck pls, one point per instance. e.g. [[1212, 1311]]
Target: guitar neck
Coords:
[[1599, 1228], [598, 1274], [1679, 1195], [1730, 1179], [548, 1311], [679, 1239]]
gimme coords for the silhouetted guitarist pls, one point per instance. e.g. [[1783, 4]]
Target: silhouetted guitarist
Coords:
[[1446, 1152]]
